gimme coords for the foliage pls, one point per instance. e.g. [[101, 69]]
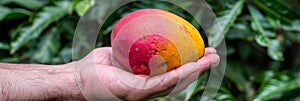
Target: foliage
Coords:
[[36, 31], [262, 40]]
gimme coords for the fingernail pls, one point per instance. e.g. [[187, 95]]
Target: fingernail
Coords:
[[215, 61]]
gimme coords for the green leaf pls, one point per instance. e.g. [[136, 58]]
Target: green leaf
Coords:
[[48, 15], [4, 46], [277, 9], [10, 59], [275, 50], [291, 95], [66, 54], [48, 47], [256, 24], [73, 5], [224, 95], [218, 30], [297, 37], [84, 6], [230, 50], [101, 9], [30, 4], [263, 76], [7, 13], [196, 86], [294, 27], [158, 99], [264, 37], [3, 12], [279, 83], [239, 31], [262, 40], [235, 73]]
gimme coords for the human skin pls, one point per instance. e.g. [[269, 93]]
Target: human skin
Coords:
[[58, 82]]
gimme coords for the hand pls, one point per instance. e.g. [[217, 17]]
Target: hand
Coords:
[[99, 80]]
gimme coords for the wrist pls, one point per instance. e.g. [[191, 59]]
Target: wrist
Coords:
[[38, 82], [66, 83]]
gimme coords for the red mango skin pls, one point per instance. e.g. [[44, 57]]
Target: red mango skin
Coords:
[[155, 44], [131, 16], [147, 47]]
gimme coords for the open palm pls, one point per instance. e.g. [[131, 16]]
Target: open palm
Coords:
[[100, 80]]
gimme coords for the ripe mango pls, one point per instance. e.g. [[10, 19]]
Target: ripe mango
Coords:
[[153, 41]]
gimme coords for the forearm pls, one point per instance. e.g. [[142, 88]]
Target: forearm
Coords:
[[38, 82]]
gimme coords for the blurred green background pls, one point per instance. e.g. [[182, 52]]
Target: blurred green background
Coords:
[[262, 40]]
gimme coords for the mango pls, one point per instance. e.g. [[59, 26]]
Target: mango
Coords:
[[153, 41]]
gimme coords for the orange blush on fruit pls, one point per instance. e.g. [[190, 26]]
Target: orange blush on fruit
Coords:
[[152, 41]]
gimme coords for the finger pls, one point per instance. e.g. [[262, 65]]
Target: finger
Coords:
[[210, 50], [171, 78], [207, 61], [164, 82], [103, 55], [103, 51], [191, 74], [141, 85], [129, 79], [185, 82], [162, 93], [126, 82], [181, 84]]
